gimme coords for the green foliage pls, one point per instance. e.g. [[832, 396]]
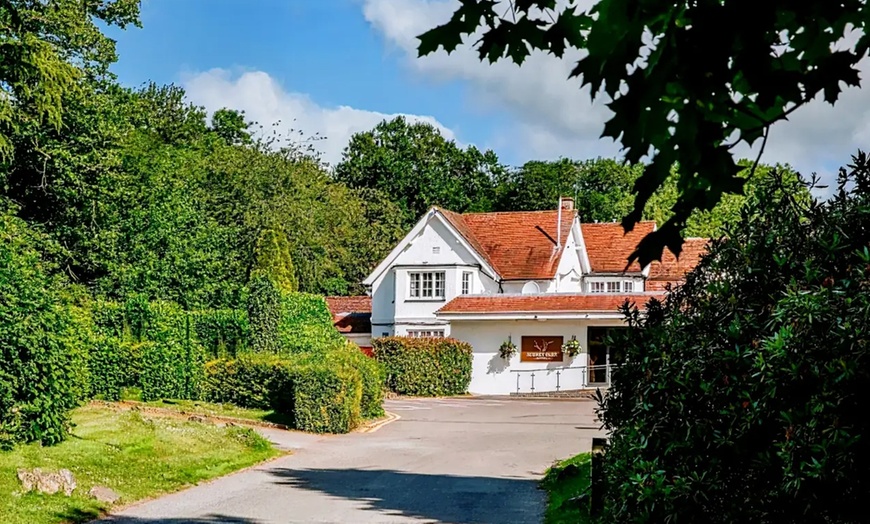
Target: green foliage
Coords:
[[112, 366], [171, 369], [429, 367], [742, 396], [305, 325], [567, 485], [222, 332], [327, 399], [40, 342], [687, 81], [320, 393], [264, 314], [251, 381], [272, 260], [419, 168]]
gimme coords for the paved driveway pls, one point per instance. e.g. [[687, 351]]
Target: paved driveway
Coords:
[[444, 460]]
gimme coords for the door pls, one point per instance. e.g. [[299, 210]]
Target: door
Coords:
[[602, 354]]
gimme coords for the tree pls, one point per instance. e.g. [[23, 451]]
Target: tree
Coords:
[[231, 126], [47, 47], [419, 168], [272, 260], [687, 81], [741, 397]]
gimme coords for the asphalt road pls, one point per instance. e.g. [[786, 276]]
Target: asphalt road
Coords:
[[444, 460]]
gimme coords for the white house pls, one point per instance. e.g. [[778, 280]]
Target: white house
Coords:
[[536, 279]]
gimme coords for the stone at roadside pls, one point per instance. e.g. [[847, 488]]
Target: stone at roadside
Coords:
[[48, 482], [197, 418], [104, 494]]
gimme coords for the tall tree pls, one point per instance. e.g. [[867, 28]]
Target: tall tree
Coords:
[[687, 80], [419, 168]]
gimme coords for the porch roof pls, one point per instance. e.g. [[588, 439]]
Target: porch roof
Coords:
[[567, 305]]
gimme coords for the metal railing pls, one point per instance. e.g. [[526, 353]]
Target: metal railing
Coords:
[[570, 377]]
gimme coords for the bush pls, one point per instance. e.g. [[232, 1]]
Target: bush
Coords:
[[427, 367], [326, 399], [113, 365], [251, 381], [742, 397], [222, 332], [370, 371], [322, 394], [40, 344], [171, 369]]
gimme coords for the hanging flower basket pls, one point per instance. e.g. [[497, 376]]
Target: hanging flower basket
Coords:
[[572, 347], [507, 350]]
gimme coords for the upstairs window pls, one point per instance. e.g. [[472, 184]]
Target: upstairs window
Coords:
[[466, 282], [613, 287], [596, 287], [426, 285], [628, 286], [421, 333]]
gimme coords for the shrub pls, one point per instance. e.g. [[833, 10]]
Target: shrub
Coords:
[[108, 365], [222, 332], [264, 314], [326, 399], [171, 369], [424, 366], [251, 381], [370, 371], [40, 344], [742, 397]]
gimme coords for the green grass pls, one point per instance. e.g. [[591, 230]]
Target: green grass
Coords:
[[192, 407], [564, 482], [134, 454]]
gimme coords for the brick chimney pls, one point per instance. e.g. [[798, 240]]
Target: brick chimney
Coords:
[[566, 203]]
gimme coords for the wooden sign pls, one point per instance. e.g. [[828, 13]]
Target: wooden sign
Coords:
[[541, 349]]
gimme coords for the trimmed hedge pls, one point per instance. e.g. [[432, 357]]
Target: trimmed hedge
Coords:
[[428, 367], [321, 393], [289, 323], [171, 369], [112, 365], [326, 399], [222, 332]]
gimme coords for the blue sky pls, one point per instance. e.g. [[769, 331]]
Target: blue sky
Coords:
[[336, 67]]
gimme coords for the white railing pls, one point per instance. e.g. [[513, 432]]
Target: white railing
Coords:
[[563, 378]]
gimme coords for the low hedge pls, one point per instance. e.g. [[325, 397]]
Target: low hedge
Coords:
[[320, 393], [171, 369], [428, 367], [326, 399]]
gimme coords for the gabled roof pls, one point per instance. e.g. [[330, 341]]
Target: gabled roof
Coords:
[[608, 246], [673, 269], [351, 314], [519, 245], [542, 303]]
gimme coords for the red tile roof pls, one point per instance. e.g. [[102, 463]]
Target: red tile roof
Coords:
[[351, 314], [553, 302], [518, 245], [673, 269], [608, 247]]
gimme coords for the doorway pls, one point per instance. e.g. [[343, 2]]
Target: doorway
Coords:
[[602, 354]]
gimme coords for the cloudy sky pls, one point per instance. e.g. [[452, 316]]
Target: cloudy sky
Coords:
[[336, 67]]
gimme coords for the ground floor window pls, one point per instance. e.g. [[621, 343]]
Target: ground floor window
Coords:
[[603, 353], [419, 333]]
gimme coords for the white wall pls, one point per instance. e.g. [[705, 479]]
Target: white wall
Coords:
[[491, 375]]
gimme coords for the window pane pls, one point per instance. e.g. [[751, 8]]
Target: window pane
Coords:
[[415, 284], [427, 284], [439, 284], [613, 287], [628, 286], [596, 287], [466, 283]]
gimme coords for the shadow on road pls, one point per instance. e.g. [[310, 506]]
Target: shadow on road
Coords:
[[211, 519], [442, 498]]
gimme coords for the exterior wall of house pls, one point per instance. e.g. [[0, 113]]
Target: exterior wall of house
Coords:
[[435, 249], [360, 339], [491, 375]]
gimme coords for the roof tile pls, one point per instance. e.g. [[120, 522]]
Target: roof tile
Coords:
[[552, 302]]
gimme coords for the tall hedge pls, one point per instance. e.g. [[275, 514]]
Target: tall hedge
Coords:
[[743, 396], [40, 346], [222, 332], [327, 399], [428, 367]]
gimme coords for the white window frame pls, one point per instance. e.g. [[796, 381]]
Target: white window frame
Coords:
[[613, 286], [426, 333], [596, 286], [628, 286], [467, 283], [427, 285]]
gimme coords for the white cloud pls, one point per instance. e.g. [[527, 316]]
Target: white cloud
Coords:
[[555, 118], [265, 101]]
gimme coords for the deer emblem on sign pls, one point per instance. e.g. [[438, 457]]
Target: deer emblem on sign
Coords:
[[546, 345]]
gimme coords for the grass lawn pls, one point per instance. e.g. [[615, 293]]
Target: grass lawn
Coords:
[[209, 409], [132, 453], [565, 480]]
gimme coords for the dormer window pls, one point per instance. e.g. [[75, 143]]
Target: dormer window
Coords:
[[611, 286]]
